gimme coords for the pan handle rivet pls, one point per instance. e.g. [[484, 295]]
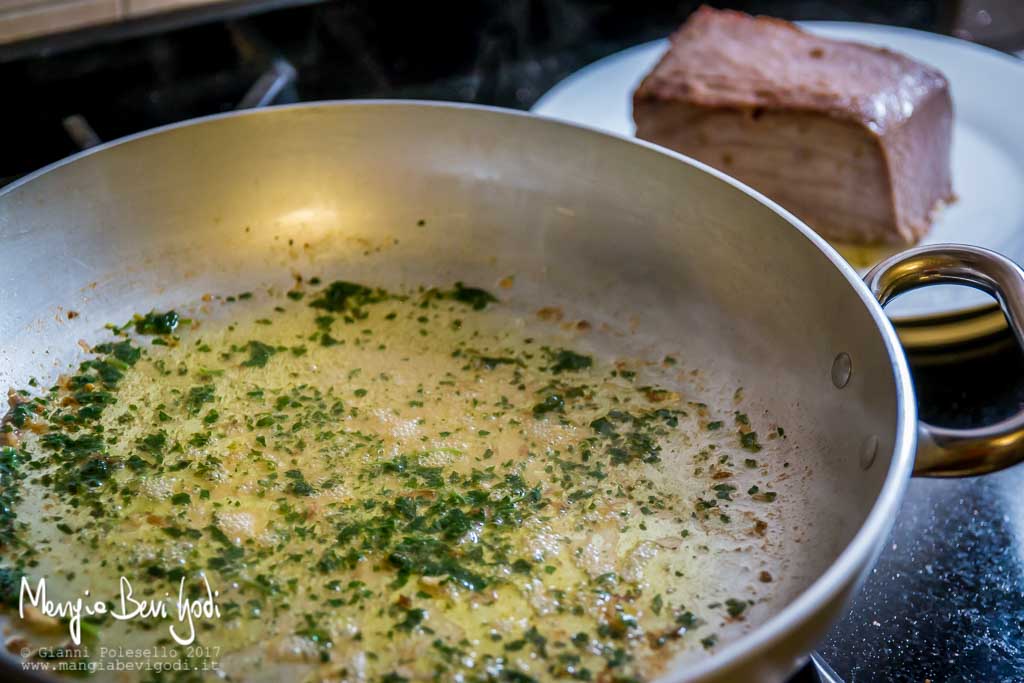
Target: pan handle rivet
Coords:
[[842, 368], [868, 452]]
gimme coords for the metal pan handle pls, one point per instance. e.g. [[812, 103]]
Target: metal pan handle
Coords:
[[944, 452]]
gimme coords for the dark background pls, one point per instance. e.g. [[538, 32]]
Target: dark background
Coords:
[[946, 602], [149, 72]]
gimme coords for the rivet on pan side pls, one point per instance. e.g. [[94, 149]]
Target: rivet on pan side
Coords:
[[842, 368], [868, 452]]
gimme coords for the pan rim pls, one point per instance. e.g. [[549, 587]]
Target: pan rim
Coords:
[[849, 566]]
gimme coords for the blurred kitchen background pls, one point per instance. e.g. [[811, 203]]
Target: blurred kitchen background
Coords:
[[947, 599], [74, 72]]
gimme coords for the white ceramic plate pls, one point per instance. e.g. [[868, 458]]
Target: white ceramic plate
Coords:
[[988, 137]]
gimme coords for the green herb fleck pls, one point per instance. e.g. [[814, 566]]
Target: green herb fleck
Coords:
[[157, 323]]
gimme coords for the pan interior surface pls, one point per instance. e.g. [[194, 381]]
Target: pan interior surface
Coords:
[[661, 258]]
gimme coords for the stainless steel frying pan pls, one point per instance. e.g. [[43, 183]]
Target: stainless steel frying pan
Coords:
[[607, 224]]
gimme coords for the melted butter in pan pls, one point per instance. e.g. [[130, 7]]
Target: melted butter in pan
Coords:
[[390, 487]]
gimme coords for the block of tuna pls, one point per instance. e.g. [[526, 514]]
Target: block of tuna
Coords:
[[854, 140]]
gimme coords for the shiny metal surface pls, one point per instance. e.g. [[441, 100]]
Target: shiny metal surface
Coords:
[[269, 85], [824, 671], [632, 234], [941, 451]]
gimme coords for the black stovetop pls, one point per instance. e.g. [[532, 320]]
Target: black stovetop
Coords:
[[946, 601]]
